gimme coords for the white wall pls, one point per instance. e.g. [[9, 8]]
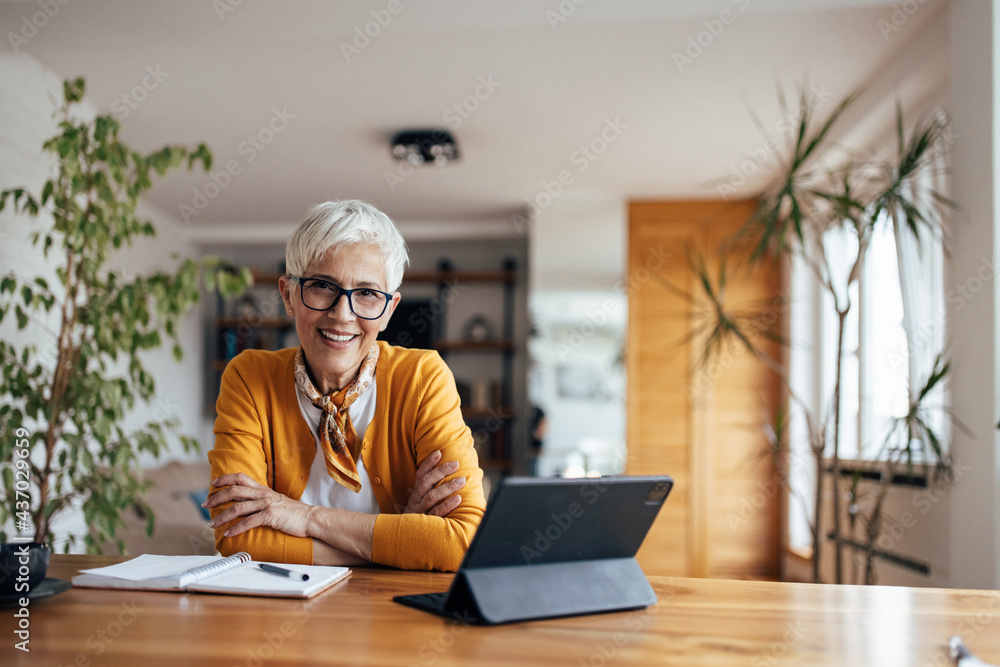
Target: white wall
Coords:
[[27, 91], [578, 245], [974, 526], [25, 122]]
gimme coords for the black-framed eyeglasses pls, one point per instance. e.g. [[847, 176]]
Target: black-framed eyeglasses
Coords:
[[365, 302]]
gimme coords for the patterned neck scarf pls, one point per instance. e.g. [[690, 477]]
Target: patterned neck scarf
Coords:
[[336, 432]]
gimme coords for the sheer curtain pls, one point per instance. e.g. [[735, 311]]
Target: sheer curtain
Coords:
[[922, 287]]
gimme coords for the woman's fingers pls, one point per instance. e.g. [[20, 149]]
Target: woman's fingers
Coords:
[[444, 498], [428, 464], [248, 522], [439, 493], [234, 492], [426, 490], [265, 508], [237, 479], [234, 486], [430, 500], [431, 479], [429, 473], [445, 507], [258, 505], [236, 510]]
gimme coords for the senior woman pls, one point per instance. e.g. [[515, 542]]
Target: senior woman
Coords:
[[345, 450]]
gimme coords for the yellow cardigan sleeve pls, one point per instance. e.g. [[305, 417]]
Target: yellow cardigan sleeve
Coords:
[[242, 444], [428, 413]]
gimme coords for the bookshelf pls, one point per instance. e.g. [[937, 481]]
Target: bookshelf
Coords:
[[488, 400]]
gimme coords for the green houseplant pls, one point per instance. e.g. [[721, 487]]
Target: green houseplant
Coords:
[[810, 196], [66, 393]]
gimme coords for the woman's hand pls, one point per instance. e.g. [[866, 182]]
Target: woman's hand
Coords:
[[261, 505], [429, 498]]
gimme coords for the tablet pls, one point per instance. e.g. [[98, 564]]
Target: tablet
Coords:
[[554, 547]]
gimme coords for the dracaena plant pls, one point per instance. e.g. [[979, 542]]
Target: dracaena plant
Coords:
[[66, 394], [806, 200], [918, 424]]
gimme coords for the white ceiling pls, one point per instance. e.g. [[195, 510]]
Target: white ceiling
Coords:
[[557, 86]]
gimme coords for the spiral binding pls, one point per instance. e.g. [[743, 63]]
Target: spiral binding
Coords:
[[213, 568]]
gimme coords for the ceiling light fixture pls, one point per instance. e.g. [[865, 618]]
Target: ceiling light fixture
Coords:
[[419, 147]]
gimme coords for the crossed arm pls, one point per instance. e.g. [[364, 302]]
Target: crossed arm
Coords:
[[340, 537]]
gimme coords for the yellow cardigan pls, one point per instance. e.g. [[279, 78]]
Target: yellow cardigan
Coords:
[[260, 431]]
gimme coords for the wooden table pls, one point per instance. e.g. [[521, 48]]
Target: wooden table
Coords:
[[697, 622]]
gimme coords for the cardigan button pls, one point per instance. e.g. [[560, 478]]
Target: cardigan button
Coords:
[[377, 481]]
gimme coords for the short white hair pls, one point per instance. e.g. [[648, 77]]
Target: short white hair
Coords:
[[345, 223]]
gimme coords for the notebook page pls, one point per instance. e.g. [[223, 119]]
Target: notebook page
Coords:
[[251, 580], [151, 566]]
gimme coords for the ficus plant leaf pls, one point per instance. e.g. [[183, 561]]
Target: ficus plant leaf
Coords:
[[71, 389]]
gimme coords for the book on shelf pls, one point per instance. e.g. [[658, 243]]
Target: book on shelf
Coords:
[[232, 575]]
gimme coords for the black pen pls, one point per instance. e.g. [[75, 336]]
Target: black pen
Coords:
[[282, 572]]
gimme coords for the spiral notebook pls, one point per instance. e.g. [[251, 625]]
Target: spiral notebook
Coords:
[[232, 575]]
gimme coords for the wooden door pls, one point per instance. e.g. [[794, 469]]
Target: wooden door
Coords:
[[701, 424]]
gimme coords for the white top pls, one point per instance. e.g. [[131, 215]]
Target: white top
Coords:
[[321, 489]]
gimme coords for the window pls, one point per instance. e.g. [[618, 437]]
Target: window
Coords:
[[893, 333], [883, 383]]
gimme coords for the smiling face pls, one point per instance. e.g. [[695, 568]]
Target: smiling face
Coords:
[[335, 341]]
